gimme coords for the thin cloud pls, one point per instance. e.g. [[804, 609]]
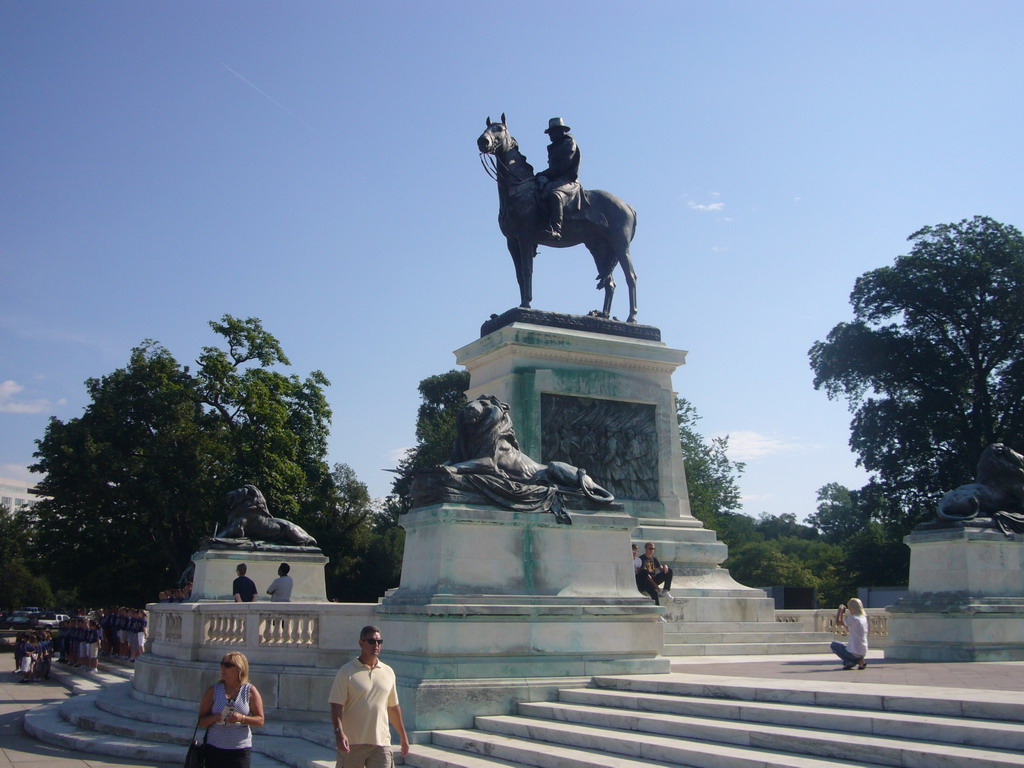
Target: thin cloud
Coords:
[[27, 328], [396, 455], [746, 445], [704, 207], [9, 402]]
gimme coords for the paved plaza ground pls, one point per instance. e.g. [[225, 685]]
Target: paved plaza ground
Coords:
[[18, 750]]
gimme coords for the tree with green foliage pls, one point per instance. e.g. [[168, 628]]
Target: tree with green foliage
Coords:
[[441, 398], [783, 526], [840, 513], [136, 480], [765, 564], [711, 477], [20, 582], [932, 364]]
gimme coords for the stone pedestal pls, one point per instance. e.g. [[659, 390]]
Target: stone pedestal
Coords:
[[966, 600], [215, 571], [497, 607], [575, 383]]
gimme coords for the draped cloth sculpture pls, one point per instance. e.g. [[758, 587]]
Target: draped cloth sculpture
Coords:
[[488, 467]]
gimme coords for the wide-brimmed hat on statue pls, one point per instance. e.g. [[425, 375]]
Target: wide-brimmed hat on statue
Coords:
[[555, 123]]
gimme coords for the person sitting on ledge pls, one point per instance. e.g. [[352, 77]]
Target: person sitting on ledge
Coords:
[[652, 573], [853, 618]]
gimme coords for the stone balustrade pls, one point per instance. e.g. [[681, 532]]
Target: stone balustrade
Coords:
[[290, 630], [294, 649], [265, 632], [824, 620]]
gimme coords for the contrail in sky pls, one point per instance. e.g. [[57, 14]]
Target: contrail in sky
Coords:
[[270, 98]]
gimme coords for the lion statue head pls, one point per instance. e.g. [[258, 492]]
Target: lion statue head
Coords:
[[1002, 467], [480, 426], [246, 500]]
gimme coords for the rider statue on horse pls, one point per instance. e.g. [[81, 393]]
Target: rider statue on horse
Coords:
[[559, 185], [552, 209]]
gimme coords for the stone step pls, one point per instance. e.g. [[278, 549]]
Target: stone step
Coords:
[[46, 724], [953, 730], [676, 733], [83, 713], [687, 638], [987, 705], [764, 648], [689, 627], [118, 668], [94, 723], [80, 680], [431, 756], [121, 701], [594, 748]]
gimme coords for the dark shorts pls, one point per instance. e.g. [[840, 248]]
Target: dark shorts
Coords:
[[227, 758]]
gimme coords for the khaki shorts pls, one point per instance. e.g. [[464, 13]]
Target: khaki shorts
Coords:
[[365, 755]]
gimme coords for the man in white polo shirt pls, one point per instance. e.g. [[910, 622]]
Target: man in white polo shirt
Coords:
[[364, 698]]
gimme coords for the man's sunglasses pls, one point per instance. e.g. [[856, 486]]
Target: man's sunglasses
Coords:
[[372, 640]]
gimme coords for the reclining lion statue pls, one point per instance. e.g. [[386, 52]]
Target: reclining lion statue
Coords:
[[249, 518], [488, 467], [997, 492]]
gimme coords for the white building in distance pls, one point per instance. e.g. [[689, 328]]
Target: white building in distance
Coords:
[[16, 495]]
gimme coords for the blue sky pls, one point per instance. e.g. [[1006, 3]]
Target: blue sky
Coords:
[[314, 164]]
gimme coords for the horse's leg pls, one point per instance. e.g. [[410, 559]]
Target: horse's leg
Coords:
[[605, 267], [609, 293], [527, 252], [524, 278], [627, 270]]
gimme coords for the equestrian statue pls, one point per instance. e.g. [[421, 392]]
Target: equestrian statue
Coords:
[[551, 208]]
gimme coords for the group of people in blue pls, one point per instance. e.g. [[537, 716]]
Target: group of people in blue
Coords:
[[80, 641], [32, 654]]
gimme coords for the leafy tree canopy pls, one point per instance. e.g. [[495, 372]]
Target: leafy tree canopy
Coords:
[[840, 515], [141, 475], [711, 477], [441, 398], [932, 364]]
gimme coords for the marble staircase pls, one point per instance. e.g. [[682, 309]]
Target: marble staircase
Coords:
[[716, 722], [107, 719], [665, 721], [741, 638]]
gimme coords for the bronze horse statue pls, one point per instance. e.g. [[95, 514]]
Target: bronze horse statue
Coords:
[[602, 222]]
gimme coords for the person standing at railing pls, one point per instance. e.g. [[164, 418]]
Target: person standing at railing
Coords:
[[852, 617], [280, 589], [243, 588]]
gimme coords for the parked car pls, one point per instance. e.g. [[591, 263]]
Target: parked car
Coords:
[[23, 620], [51, 619]]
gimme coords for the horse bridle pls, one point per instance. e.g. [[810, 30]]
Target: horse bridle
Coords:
[[492, 169]]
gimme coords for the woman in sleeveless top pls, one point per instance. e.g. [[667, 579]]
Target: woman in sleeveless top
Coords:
[[229, 710]]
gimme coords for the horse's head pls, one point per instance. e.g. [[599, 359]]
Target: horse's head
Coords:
[[496, 138]]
